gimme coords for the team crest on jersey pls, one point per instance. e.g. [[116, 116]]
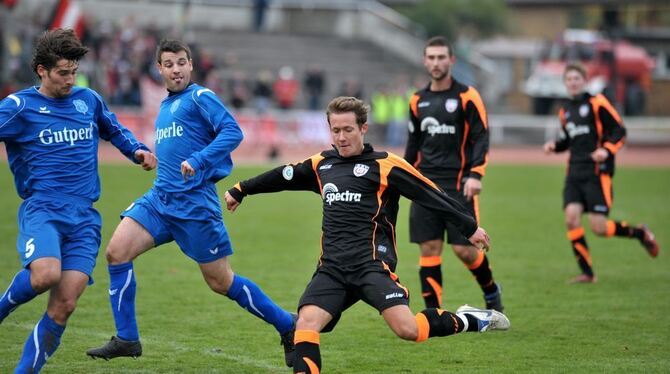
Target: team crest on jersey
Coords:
[[451, 105], [80, 106], [360, 170], [175, 106], [287, 173], [584, 110]]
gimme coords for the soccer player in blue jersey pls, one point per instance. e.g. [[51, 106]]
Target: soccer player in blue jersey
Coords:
[[51, 133], [195, 135]]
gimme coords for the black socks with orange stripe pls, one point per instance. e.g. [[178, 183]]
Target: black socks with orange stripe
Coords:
[[620, 228], [581, 250], [437, 322], [482, 272], [307, 352], [430, 274]]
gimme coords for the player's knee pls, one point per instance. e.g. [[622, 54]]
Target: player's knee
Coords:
[[62, 310], [572, 222], [599, 229], [44, 278], [218, 284], [115, 254], [467, 254]]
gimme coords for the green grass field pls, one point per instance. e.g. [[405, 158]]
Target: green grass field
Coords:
[[620, 324]]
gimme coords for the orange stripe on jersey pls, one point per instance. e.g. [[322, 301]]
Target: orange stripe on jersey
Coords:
[[466, 130], [606, 185], [611, 228], [601, 101], [561, 116], [478, 260], [391, 161], [315, 161], [428, 261], [575, 234], [471, 95], [413, 101], [475, 203], [309, 336], [313, 367], [423, 327], [614, 148], [238, 187], [481, 169], [584, 252]]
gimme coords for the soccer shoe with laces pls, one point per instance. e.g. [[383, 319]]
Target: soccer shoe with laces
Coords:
[[494, 300], [287, 342], [116, 347], [649, 241], [487, 319]]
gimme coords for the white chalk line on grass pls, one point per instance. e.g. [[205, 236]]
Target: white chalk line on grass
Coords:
[[173, 346]]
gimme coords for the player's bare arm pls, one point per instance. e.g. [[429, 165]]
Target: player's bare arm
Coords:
[[599, 155]]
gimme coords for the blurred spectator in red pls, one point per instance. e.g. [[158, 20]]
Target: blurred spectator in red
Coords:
[[286, 88]]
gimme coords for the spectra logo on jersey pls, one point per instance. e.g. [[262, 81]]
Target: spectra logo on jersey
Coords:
[[169, 132], [331, 193], [433, 126], [48, 136], [576, 130]]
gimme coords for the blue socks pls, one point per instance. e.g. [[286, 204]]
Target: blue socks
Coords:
[[41, 344], [250, 297], [122, 299], [19, 292]]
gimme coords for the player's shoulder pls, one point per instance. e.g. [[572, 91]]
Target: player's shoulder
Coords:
[[198, 92]]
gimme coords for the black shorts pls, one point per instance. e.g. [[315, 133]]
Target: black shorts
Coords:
[[424, 224], [335, 290], [593, 192]]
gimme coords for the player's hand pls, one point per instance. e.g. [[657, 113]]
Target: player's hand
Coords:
[[147, 159], [480, 239], [599, 155], [472, 187], [231, 203], [187, 170], [549, 147]]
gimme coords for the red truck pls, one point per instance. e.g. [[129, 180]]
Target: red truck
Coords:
[[620, 70]]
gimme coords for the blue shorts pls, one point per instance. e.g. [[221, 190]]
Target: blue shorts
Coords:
[[192, 219], [60, 226]]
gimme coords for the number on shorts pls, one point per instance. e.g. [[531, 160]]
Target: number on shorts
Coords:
[[30, 247]]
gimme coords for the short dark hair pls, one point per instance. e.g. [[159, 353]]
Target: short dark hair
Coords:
[[575, 66], [172, 45], [438, 41], [57, 44], [346, 104]]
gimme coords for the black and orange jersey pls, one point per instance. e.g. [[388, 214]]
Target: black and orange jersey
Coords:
[[448, 134], [587, 123], [360, 202]]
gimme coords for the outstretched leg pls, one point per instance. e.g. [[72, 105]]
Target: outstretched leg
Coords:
[[130, 239]]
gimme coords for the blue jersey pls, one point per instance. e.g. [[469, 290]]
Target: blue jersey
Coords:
[[194, 126], [52, 144]]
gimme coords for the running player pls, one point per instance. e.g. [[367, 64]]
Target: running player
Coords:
[[593, 132]]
